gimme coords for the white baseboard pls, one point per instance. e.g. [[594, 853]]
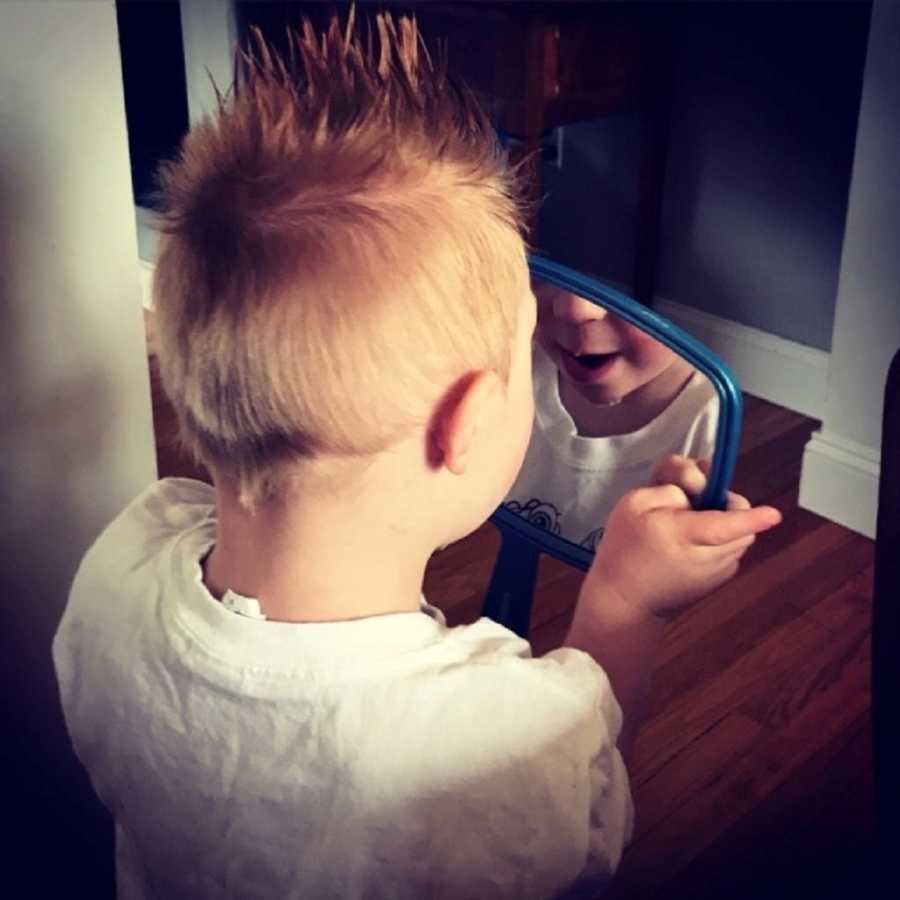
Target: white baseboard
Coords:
[[839, 481], [767, 366], [148, 240], [145, 274]]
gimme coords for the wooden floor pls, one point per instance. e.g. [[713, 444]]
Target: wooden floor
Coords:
[[752, 775]]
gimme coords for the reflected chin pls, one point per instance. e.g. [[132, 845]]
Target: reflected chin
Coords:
[[598, 394]]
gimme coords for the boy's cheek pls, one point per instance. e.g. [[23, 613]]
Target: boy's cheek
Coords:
[[647, 348], [655, 360]]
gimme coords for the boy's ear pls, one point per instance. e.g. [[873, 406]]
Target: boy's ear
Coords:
[[465, 409]]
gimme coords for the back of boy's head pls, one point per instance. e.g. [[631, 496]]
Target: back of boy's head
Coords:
[[341, 243]]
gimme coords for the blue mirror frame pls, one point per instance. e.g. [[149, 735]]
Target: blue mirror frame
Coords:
[[521, 539]]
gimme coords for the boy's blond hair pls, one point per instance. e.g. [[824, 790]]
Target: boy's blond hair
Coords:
[[341, 244]]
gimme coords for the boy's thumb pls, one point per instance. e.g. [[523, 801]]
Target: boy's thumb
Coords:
[[714, 527]]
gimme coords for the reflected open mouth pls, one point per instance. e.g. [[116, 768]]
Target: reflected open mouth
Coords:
[[594, 360], [588, 367]]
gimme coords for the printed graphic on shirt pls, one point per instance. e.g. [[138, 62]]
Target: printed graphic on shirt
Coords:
[[537, 512], [546, 516]]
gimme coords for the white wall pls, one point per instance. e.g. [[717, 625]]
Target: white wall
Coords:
[[209, 34], [841, 463], [209, 39], [77, 438]]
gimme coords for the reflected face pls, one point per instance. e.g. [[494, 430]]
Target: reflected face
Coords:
[[603, 357]]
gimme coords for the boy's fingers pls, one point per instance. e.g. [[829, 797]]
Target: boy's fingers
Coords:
[[683, 471], [664, 496], [672, 464], [691, 480], [730, 550], [705, 465], [736, 501], [737, 547], [663, 470], [715, 528]]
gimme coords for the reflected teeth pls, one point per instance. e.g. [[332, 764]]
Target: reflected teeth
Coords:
[[581, 353]]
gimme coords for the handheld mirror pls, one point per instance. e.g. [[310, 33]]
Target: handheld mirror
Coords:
[[618, 388]]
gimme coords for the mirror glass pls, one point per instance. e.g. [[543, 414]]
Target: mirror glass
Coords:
[[611, 402]]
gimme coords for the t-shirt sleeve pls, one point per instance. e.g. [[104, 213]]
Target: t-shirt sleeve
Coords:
[[610, 814], [554, 723]]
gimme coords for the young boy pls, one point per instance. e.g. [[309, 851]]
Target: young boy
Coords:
[[611, 404], [249, 673]]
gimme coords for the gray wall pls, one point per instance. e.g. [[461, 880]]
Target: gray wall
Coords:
[[589, 214], [77, 432], [766, 99]]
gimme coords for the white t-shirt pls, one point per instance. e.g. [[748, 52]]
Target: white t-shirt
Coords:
[[389, 756], [569, 484]]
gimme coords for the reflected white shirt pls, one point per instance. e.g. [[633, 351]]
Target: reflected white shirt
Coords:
[[569, 484]]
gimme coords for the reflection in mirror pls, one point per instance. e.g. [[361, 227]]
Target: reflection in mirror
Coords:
[[611, 402]]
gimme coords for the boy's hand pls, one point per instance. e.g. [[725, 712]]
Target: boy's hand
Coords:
[[658, 555], [691, 475], [688, 474]]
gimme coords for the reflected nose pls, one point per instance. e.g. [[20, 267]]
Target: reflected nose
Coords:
[[575, 309]]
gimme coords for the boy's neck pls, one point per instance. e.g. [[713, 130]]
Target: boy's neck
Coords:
[[314, 562], [635, 411]]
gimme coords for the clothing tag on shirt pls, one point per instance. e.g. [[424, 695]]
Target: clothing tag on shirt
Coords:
[[243, 606]]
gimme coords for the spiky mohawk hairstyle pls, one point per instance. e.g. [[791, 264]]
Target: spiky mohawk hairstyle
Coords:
[[340, 241]]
